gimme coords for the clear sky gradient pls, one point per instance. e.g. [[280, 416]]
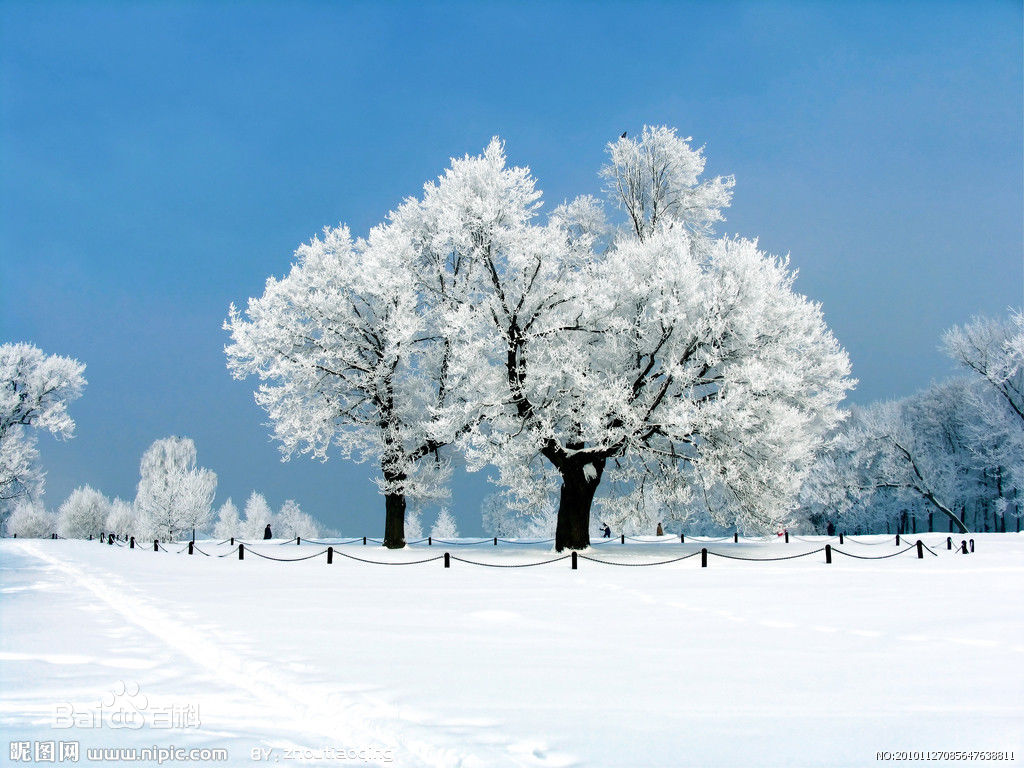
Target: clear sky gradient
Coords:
[[159, 160]]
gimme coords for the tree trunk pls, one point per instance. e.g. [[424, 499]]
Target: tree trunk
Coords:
[[579, 483], [394, 520]]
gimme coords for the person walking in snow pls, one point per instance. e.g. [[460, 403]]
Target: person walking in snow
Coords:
[[266, 532], [607, 533], [660, 531]]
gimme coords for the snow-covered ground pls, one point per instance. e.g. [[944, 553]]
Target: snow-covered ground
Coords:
[[786, 663]]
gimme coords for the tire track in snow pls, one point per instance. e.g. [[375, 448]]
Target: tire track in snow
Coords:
[[325, 716]]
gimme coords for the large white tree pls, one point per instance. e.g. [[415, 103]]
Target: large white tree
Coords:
[[35, 390], [679, 361], [174, 494]]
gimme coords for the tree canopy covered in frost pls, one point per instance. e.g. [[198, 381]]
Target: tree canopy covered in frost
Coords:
[[559, 350], [228, 525], [35, 391], [444, 526], [257, 517], [351, 362], [687, 362], [123, 519], [29, 519], [83, 514], [174, 494], [291, 521]]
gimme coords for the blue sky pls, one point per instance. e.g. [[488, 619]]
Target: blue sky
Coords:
[[160, 160]]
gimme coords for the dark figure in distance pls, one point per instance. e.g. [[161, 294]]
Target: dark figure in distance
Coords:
[[623, 135], [266, 533], [607, 532], [830, 529], [660, 531]]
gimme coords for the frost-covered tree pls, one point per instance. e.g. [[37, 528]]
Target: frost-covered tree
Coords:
[[444, 527], [83, 514], [174, 495], [35, 390], [413, 523], [228, 525], [292, 522], [350, 360], [123, 519], [30, 520], [678, 361], [257, 516], [912, 449]]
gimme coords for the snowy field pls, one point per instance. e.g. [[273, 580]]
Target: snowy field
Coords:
[[782, 663]]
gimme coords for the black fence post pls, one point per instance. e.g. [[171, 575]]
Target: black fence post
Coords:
[[828, 553], [787, 537], [156, 545], [703, 557], [972, 545], [110, 539], [447, 560], [622, 538], [430, 541], [298, 540], [495, 541], [897, 539], [330, 555], [90, 537], [840, 538], [131, 543], [682, 539], [232, 541], [364, 541], [191, 544], [920, 550], [736, 537], [241, 551], [963, 547], [574, 561], [949, 542]]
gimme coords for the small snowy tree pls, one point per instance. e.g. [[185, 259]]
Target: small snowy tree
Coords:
[[30, 520], [174, 495], [292, 522], [83, 514], [257, 517], [413, 523], [35, 390], [228, 525], [444, 526], [123, 519]]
